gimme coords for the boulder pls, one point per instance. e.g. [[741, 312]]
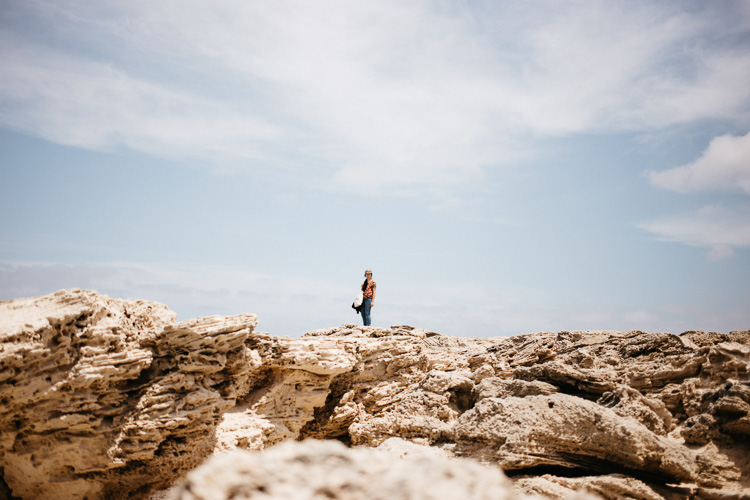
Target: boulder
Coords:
[[564, 432], [321, 470]]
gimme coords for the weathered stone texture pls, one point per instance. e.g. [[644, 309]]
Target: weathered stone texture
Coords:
[[107, 398], [104, 398], [321, 470]]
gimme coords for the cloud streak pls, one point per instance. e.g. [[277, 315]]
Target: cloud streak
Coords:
[[95, 105], [718, 227], [723, 166]]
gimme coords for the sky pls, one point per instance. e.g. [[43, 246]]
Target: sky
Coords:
[[502, 167]]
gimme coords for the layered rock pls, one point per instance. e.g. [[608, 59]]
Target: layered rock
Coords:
[[668, 411], [103, 398], [106, 398]]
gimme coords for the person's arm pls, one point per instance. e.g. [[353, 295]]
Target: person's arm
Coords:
[[374, 289]]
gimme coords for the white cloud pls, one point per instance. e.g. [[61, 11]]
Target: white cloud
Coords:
[[96, 105], [720, 252], [716, 227], [724, 165], [400, 94]]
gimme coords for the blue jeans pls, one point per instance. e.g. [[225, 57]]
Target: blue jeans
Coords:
[[366, 311]]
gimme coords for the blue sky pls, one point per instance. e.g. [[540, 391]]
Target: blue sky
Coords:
[[503, 167]]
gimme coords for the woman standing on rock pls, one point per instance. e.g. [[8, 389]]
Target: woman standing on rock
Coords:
[[368, 289]]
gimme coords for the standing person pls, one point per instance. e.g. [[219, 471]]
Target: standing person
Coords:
[[368, 289]]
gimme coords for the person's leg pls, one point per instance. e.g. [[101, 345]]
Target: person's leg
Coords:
[[366, 311]]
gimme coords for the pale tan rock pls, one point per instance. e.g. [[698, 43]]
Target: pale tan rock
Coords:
[[402, 448], [628, 402], [563, 431], [610, 487], [239, 429], [420, 386], [494, 387], [109, 398], [314, 470], [114, 399]]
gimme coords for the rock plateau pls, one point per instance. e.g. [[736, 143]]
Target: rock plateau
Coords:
[[106, 398]]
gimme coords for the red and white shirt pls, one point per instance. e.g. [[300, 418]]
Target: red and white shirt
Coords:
[[370, 290]]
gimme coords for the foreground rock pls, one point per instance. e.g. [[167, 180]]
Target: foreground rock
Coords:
[[327, 469], [105, 398]]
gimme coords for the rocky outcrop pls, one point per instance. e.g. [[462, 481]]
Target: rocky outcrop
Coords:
[[106, 398], [103, 398], [594, 406]]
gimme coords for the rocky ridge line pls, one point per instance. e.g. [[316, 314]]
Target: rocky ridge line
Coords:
[[104, 398]]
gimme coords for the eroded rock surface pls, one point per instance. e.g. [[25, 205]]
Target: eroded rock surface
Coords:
[[669, 411], [104, 398], [321, 470]]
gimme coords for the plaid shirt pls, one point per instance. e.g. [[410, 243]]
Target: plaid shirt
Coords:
[[370, 291]]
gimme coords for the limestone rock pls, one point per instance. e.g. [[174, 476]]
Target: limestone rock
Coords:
[[314, 470], [105, 398], [563, 431], [494, 387], [627, 402], [610, 487]]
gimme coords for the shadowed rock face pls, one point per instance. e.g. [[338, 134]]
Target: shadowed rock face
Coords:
[[109, 398]]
